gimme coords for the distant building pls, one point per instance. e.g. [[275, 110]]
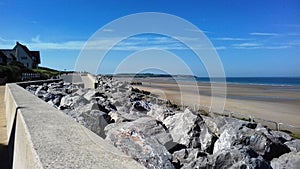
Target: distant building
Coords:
[[22, 54]]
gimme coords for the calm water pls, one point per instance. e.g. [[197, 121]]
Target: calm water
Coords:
[[274, 81]]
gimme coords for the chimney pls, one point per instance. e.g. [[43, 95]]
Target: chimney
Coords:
[[17, 43]]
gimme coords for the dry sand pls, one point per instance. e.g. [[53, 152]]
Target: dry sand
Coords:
[[275, 103]]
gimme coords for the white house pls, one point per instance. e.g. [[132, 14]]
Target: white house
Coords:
[[22, 54]]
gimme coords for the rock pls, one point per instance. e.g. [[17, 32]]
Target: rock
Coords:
[[48, 96], [31, 88], [70, 102], [118, 117], [267, 146], [159, 112], [95, 120], [87, 107], [234, 157], [141, 106], [282, 136], [294, 145], [290, 160], [238, 157], [93, 94], [57, 99], [231, 137], [279, 135], [190, 130], [143, 140], [148, 127], [225, 122], [211, 125], [40, 91], [191, 158]]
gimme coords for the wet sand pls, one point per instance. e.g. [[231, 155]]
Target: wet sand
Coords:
[[275, 103]]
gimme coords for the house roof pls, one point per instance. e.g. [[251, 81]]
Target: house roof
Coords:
[[35, 54]]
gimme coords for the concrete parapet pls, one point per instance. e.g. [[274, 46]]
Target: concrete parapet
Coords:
[[89, 81], [47, 138]]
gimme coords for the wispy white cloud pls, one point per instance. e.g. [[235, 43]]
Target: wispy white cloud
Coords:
[[230, 39], [259, 46], [132, 43], [263, 34], [247, 45]]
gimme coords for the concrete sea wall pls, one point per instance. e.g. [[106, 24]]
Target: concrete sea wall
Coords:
[[41, 136]]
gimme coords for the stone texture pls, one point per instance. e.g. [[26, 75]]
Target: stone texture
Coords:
[[190, 130], [143, 140], [290, 160]]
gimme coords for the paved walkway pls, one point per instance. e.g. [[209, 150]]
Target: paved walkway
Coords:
[[3, 136]]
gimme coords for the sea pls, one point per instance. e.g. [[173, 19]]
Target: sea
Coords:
[[273, 81]]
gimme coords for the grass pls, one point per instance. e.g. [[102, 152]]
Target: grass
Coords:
[[46, 72], [13, 72]]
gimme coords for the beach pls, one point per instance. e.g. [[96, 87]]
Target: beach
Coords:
[[275, 103]]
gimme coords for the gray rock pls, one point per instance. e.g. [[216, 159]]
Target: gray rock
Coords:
[[94, 94], [118, 117], [238, 157], [70, 101], [141, 106], [48, 96], [40, 91], [143, 140], [190, 130], [290, 160], [191, 158], [294, 145], [159, 112], [95, 120], [225, 122], [211, 124], [266, 145]]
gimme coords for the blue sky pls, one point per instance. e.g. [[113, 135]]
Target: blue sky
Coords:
[[252, 38]]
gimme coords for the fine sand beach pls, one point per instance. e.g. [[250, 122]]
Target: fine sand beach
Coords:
[[275, 103]]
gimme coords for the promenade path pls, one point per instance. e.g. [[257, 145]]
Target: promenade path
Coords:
[[3, 133]]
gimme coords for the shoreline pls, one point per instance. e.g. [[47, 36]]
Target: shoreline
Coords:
[[276, 103]]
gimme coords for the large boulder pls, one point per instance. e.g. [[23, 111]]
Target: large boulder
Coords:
[[191, 158], [294, 145], [94, 120], [159, 112], [190, 130], [72, 101], [260, 139], [143, 140], [290, 160], [238, 157]]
